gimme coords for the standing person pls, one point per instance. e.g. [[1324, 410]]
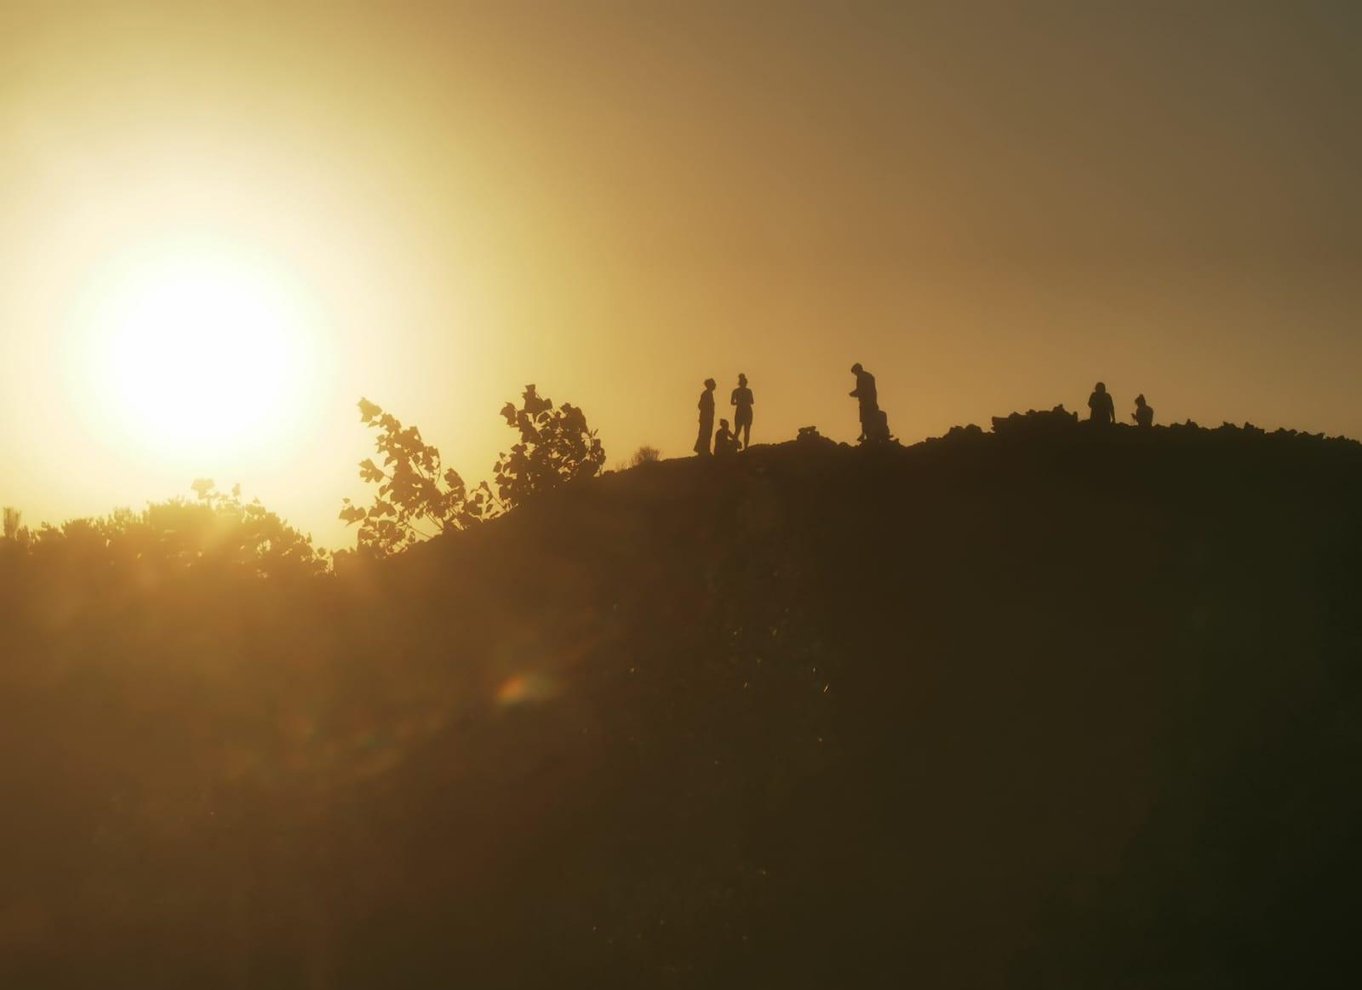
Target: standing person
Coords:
[[874, 425], [1144, 412], [742, 419], [1103, 410], [706, 407]]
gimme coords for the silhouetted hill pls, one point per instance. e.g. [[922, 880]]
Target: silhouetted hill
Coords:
[[1047, 707]]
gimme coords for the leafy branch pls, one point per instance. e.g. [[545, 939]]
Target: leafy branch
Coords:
[[416, 497]]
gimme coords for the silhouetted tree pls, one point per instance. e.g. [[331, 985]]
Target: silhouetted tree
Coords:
[[14, 540], [12, 528], [221, 527], [216, 532], [556, 446], [416, 498]]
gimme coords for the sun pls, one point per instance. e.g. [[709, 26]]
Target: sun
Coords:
[[200, 357]]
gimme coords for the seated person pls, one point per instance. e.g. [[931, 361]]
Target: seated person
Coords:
[[1103, 409], [725, 440], [1144, 412]]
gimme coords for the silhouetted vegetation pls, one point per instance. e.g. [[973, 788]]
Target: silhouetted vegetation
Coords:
[[1047, 706], [556, 446], [215, 533], [645, 455], [417, 497], [11, 525]]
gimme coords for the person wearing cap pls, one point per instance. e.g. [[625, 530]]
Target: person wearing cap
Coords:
[[742, 418], [1102, 409], [1144, 412], [706, 407]]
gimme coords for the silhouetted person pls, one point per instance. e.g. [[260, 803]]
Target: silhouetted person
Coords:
[[1144, 412], [706, 407], [742, 418], [874, 424], [1103, 410], [725, 441]]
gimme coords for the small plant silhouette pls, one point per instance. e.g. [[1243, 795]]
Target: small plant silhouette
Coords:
[[646, 455]]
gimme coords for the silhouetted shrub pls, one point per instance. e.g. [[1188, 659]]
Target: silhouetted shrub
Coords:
[[12, 528], [217, 532], [646, 455], [556, 446], [415, 499]]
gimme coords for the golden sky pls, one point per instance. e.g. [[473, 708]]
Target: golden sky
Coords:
[[989, 205]]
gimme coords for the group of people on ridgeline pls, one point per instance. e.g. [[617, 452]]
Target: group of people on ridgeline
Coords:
[[874, 422], [730, 440], [1101, 408], [727, 440]]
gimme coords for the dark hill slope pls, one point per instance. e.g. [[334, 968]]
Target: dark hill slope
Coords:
[[1042, 709]]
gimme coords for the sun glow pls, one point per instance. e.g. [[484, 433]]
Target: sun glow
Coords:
[[198, 357]]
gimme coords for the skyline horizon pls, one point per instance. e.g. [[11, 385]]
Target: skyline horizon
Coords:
[[223, 230], [615, 464]]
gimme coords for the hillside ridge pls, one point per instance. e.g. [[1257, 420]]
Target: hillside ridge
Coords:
[[1044, 707]]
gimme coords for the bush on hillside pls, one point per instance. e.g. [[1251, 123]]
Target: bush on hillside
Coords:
[[556, 446], [646, 455], [416, 498], [12, 528], [215, 533]]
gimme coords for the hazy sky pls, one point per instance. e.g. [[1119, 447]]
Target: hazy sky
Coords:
[[989, 205]]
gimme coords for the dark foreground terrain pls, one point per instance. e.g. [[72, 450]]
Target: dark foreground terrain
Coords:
[[1046, 708]]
